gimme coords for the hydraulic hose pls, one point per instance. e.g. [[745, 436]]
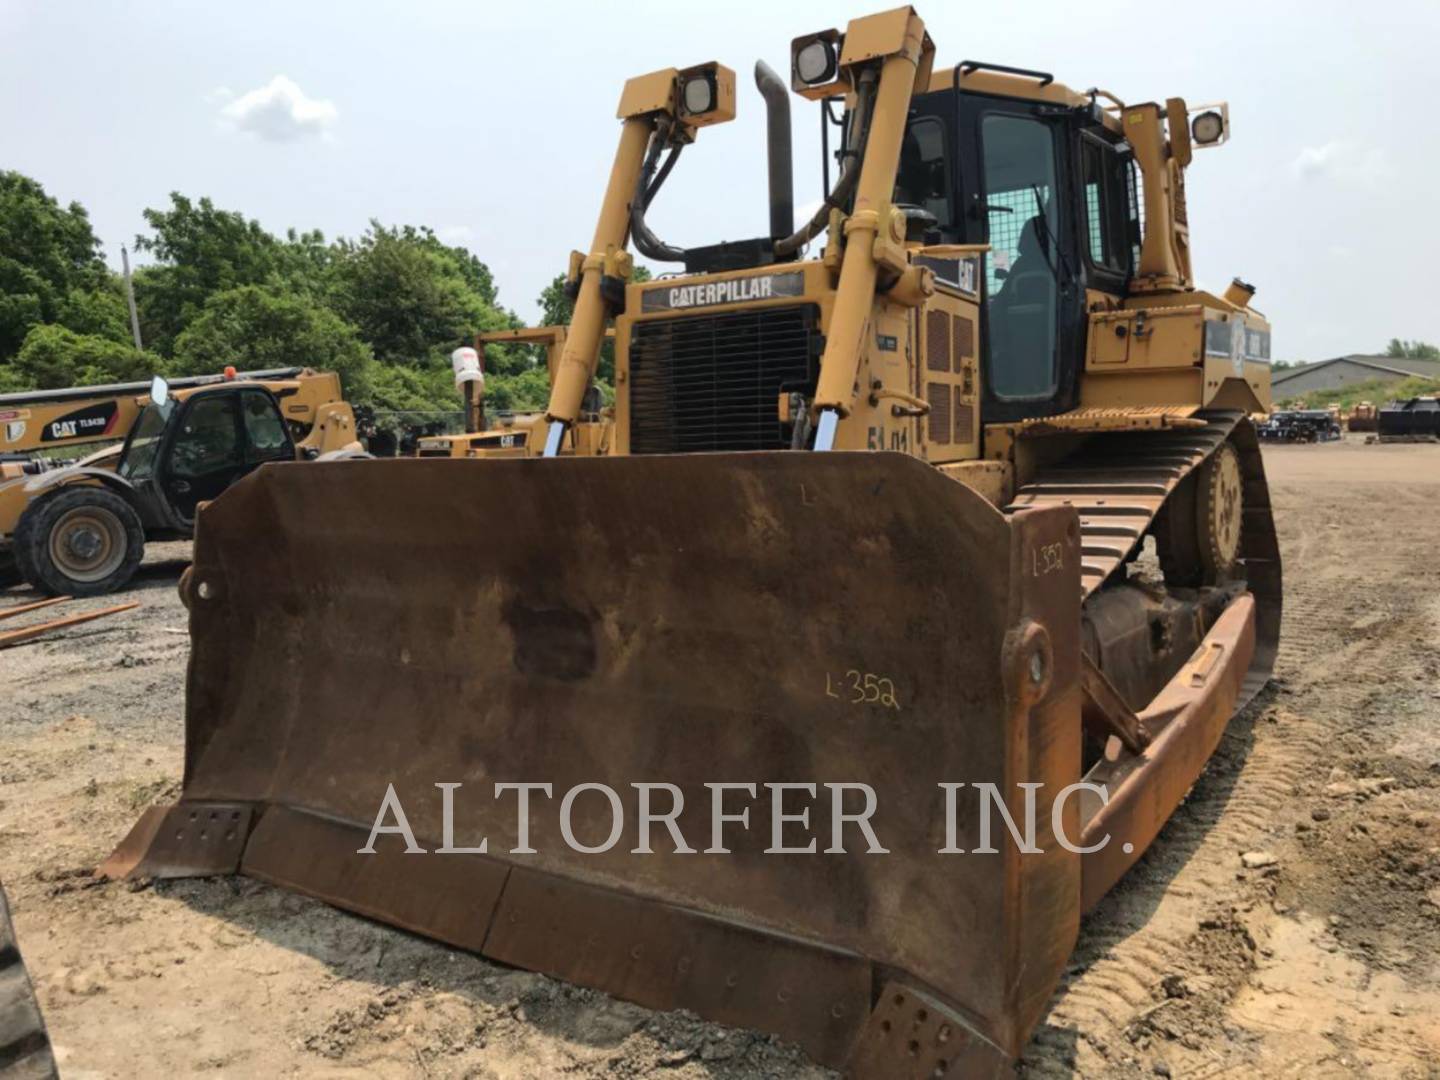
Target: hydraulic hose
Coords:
[[845, 185], [646, 188]]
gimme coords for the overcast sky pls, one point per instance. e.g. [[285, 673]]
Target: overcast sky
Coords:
[[494, 124]]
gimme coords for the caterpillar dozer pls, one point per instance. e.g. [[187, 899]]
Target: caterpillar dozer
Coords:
[[951, 489], [80, 530]]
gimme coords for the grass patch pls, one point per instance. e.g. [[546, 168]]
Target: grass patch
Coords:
[[1377, 391]]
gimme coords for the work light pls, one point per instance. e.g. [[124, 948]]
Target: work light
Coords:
[[698, 94], [1207, 128], [815, 62]]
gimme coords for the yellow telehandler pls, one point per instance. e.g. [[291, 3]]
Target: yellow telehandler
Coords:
[[934, 531], [80, 530]]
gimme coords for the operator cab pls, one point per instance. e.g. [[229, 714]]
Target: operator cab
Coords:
[[1052, 190], [183, 452]]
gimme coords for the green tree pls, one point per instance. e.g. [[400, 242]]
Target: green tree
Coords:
[[413, 298], [54, 357], [414, 396], [1412, 350], [307, 262], [199, 250], [528, 391], [256, 328], [101, 311], [46, 252]]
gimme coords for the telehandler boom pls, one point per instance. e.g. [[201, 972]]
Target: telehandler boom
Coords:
[[943, 502]]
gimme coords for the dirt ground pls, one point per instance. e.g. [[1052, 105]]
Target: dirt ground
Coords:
[[1285, 923]]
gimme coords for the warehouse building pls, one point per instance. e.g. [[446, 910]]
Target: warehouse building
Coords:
[[1342, 371]]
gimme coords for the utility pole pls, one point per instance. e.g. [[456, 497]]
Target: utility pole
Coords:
[[130, 298]]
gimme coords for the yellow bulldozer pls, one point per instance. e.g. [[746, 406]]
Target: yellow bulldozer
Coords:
[[80, 529], [934, 531]]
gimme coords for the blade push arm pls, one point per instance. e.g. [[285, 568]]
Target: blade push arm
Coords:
[[646, 103], [898, 41]]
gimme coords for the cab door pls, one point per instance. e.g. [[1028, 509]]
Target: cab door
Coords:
[[218, 438], [1019, 199], [204, 455]]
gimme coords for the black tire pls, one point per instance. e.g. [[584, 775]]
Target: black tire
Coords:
[[80, 541], [20, 547], [24, 1045], [10, 575]]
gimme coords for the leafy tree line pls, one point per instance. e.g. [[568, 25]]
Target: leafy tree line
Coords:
[[385, 310], [1412, 350]]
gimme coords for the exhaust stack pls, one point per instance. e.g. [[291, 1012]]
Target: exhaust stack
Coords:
[[777, 141]]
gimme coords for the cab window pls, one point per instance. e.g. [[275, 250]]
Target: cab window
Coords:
[[1023, 268], [138, 462], [923, 179], [207, 440], [1109, 205], [265, 436]]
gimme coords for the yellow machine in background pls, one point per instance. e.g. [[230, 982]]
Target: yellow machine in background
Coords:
[[512, 435], [81, 530], [1363, 417], [869, 513]]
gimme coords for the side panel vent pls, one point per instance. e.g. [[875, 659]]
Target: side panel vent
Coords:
[[938, 395], [964, 337], [937, 341]]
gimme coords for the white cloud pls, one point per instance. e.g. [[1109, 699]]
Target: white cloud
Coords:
[[1316, 160], [280, 112], [1349, 163], [455, 234]]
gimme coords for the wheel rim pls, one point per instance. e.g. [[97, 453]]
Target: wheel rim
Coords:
[[88, 543]]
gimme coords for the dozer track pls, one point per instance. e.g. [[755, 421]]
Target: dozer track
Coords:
[[1119, 483]]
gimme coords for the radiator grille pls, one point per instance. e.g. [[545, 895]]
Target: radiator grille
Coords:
[[938, 395], [713, 382]]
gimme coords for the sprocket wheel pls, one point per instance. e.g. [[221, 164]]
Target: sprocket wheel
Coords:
[[1197, 533], [1220, 512]]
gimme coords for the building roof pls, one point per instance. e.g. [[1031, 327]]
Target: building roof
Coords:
[[1398, 367]]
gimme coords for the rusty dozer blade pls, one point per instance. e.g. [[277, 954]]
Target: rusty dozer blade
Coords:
[[839, 619]]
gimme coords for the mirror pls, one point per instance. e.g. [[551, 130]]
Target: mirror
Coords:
[[159, 391]]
